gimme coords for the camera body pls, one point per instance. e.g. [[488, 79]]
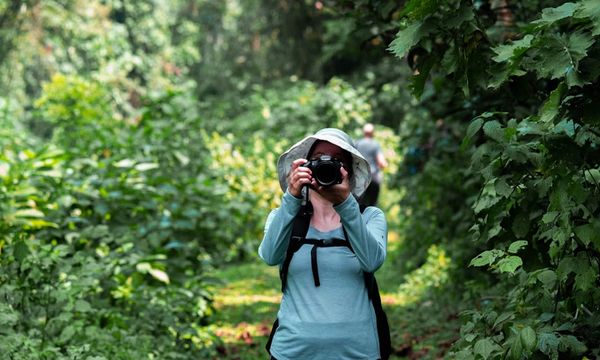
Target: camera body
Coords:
[[325, 170]]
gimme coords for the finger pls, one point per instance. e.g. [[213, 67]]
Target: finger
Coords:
[[344, 172], [296, 163]]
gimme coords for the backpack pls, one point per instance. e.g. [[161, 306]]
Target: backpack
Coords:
[[298, 238]]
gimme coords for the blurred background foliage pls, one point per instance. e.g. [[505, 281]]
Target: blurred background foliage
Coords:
[[139, 140]]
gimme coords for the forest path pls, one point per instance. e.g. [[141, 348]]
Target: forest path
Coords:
[[248, 299]]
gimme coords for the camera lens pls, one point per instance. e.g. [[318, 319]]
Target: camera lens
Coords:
[[327, 174]]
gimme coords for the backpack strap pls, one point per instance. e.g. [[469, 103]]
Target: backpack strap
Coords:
[[383, 328], [299, 230], [317, 243]]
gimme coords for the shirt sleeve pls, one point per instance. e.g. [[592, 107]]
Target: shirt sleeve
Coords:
[[367, 233], [278, 229]]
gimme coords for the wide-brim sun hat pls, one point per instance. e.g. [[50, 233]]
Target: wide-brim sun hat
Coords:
[[361, 177]]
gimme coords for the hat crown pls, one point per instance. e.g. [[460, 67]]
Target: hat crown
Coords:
[[336, 133]]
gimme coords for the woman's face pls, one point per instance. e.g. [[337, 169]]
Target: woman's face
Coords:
[[327, 148]]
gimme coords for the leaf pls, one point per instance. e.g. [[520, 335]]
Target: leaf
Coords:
[[516, 348], [146, 166], [548, 278], [474, 127], [586, 275], [566, 126], [28, 213], [566, 266], [528, 338], [419, 9], [592, 176], [82, 306], [406, 39], [550, 108], [494, 130], [509, 264], [548, 344], [125, 163], [572, 343], [550, 216], [67, 334], [417, 82], [560, 54], [503, 317], [516, 246], [485, 347], [485, 258], [589, 9], [159, 275], [514, 50], [552, 15], [502, 187], [20, 251], [589, 233]]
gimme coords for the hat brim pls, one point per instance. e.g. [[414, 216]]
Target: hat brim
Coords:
[[361, 172]]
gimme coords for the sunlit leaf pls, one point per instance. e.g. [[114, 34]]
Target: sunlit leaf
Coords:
[[159, 275], [516, 246], [509, 264]]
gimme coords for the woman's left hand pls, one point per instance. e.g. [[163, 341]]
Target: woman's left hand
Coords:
[[336, 194]]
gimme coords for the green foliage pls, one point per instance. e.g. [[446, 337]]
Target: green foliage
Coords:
[[536, 210], [78, 112], [104, 254]]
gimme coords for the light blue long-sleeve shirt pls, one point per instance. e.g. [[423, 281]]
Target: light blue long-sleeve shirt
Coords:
[[335, 320]]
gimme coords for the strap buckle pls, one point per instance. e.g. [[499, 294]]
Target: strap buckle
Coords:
[[327, 242]]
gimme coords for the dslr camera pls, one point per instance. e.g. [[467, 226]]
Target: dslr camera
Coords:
[[325, 170]]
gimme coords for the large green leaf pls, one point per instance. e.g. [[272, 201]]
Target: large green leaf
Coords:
[[485, 347], [552, 15], [528, 338], [558, 56], [407, 38]]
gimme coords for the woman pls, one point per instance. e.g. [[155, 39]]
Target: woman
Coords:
[[326, 311]]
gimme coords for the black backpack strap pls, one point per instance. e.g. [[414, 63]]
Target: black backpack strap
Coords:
[[317, 243], [299, 230], [383, 328], [272, 335]]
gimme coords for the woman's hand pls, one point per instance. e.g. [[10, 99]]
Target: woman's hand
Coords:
[[298, 177], [335, 194]]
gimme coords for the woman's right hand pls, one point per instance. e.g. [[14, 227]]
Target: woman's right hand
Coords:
[[298, 177]]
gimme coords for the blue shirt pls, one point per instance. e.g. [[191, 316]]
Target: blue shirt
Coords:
[[335, 320]]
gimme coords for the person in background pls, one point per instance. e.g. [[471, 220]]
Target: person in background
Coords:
[[371, 150]]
